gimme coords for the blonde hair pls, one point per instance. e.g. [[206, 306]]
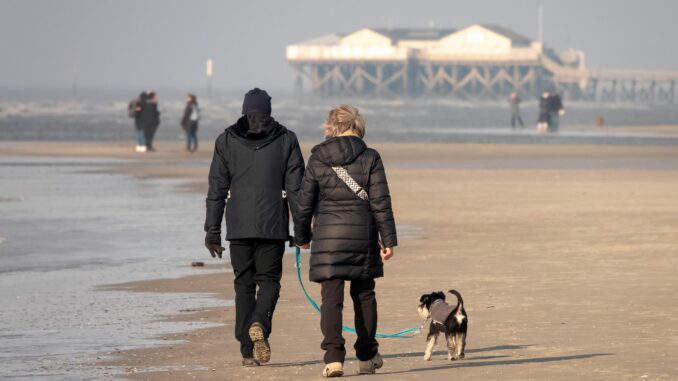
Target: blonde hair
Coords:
[[344, 118]]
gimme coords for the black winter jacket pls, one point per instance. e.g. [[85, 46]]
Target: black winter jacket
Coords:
[[248, 175], [186, 123], [149, 118], [554, 103], [346, 228]]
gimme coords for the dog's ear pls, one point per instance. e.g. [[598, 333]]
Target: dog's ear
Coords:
[[441, 294], [424, 298]]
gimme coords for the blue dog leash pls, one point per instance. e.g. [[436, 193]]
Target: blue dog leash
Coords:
[[405, 333]]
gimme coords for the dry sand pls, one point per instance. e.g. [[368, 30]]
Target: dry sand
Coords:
[[568, 269]]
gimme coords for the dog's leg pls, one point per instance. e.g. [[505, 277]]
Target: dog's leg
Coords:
[[461, 345], [450, 345], [430, 344]]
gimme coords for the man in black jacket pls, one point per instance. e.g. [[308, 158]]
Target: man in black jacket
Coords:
[[555, 108], [255, 175], [149, 119]]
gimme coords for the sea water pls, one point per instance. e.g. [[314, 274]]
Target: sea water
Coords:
[[103, 117], [67, 227]]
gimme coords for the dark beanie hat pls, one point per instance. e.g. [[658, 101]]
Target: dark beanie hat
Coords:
[[256, 100]]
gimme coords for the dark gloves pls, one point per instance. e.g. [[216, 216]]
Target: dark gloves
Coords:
[[213, 243], [303, 239]]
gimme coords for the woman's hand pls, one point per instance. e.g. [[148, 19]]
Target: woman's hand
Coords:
[[305, 246], [386, 253]]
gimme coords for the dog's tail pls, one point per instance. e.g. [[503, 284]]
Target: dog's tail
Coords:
[[460, 301]]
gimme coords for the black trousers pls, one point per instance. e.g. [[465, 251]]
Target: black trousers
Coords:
[[256, 263], [149, 134], [516, 118], [365, 308]]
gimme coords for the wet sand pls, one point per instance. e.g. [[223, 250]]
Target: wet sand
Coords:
[[568, 268]]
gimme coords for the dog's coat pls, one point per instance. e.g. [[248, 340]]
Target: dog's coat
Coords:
[[440, 311]]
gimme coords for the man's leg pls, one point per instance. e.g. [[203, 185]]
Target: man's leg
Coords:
[[148, 137], [365, 306], [242, 261], [330, 320], [268, 264], [553, 121]]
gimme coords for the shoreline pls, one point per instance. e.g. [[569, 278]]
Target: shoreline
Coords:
[[546, 258]]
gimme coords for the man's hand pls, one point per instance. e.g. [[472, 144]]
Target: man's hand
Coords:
[[215, 250], [386, 253], [305, 246], [213, 243]]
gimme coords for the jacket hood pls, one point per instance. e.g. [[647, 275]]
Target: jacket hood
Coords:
[[340, 150], [256, 130]]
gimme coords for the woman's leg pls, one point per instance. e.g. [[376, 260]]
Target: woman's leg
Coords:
[[330, 320], [365, 306], [194, 137], [140, 137]]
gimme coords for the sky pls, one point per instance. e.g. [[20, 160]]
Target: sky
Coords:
[[164, 44]]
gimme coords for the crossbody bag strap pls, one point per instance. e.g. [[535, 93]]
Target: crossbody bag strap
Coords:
[[351, 183]]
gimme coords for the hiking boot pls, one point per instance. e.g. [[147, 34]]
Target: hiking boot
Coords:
[[249, 362], [333, 369], [370, 366], [261, 351]]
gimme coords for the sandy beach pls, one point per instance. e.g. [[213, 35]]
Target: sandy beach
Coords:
[[565, 255]]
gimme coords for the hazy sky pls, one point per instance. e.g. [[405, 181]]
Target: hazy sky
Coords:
[[141, 44]]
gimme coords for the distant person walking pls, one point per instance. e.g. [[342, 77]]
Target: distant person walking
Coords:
[[257, 166], [150, 119], [134, 111], [514, 101], [346, 195], [543, 120], [189, 122], [555, 110]]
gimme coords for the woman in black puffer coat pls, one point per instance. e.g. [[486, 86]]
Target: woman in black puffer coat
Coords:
[[345, 234]]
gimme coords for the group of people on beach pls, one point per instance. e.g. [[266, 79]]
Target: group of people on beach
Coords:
[[550, 110], [146, 114], [144, 110], [341, 209]]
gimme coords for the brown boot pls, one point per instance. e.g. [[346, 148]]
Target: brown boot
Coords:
[[261, 351]]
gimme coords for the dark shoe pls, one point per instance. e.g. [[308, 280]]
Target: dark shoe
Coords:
[[250, 362], [262, 351]]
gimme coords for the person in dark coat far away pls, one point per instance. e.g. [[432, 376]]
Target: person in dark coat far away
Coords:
[[150, 119], [544, 117], [189, 122], [345, 235], [135, 108], [554, 104], [255, 175]]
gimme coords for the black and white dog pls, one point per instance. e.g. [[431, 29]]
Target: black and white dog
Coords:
[[448, 319]]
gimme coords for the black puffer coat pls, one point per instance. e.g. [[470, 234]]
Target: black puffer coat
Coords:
[[254, 161], [149, 117], [346, 228]]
